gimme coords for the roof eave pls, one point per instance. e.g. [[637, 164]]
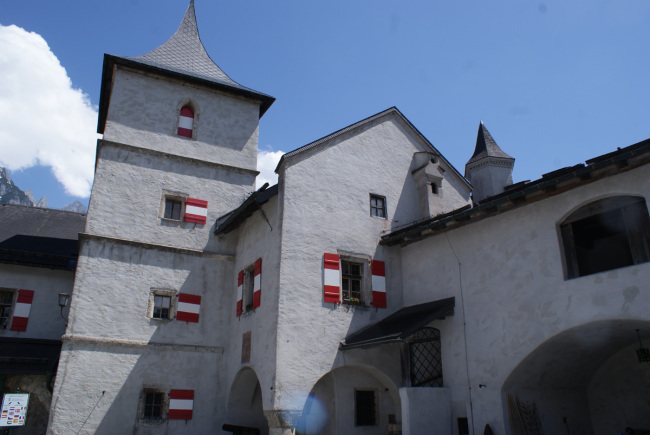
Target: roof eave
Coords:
[[110, 61]]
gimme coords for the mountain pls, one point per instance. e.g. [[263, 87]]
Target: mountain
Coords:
[[75, 206], [11, 194]]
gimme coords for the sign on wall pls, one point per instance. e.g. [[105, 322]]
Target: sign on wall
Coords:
[[14, 410]]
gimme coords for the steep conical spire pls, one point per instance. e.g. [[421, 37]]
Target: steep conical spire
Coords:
[[184, 53], [486, 146]]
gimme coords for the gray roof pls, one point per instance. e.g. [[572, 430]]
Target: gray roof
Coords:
[[42, 222], [183, 56], [486, 146], [184, 53]]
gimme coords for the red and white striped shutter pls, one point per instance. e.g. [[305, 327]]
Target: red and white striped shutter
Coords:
[[257, 289], [378, 284], [181, 403], [186, 122], [196, 210], [240, 292], [188, 307], [22, 309], [331, 280]]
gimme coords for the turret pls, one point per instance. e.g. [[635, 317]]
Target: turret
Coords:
[[490, 169]]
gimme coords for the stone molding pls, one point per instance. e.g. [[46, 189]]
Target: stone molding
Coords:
[[166, 248], [104, 341]]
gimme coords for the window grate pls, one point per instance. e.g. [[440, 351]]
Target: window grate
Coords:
[[426, 361]]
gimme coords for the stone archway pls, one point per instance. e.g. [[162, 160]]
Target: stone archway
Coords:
[[331, 405], [245, 402], [583, 380]]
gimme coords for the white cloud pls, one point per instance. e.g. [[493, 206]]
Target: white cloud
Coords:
[[266, 163], [43, 119]]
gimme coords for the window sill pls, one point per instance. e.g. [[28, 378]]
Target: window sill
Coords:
[[171, 221], [152, 421]]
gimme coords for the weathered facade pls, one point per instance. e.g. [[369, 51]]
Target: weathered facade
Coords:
[[374, 289]]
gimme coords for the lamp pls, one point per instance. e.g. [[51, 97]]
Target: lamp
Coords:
[[643, 353], [63, 302]]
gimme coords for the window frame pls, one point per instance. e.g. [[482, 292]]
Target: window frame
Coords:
[[10, 307], [383, 208], [366, 277], [171, 294], [173, 196], [375, 407], [633, 219], [248, 289], [164, 405], [195, 109]]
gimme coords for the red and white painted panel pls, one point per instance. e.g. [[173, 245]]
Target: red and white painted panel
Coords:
[[188, 307], [186, 122], [21, 310], [378, 284], [240, 292], [196, 210], [181, 403], [331, 278], [257, 284]]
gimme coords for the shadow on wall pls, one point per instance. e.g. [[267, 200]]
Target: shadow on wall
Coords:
[[584, 380]]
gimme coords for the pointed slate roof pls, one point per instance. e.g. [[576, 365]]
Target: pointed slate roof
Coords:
[[184, 57], [486, 146]]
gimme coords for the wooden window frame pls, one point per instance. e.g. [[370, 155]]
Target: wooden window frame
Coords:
[[164, 405], [169, 293], [9, 307], [379, 211]]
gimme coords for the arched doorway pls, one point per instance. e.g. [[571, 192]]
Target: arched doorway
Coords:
[[245, 402], [584, 380], [351, 398]]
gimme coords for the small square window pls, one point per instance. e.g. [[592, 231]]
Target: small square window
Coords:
[[161, 307], [378, 206], [154, 405], [173, 208], [6, 302], [365, 408]]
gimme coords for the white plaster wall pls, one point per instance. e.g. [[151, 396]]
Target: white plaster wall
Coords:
[[514, 289], [127, 198], [45, 319], [143, 112], [426, 411], [618, 393], [489, 180], [98, 390], [256, 238], [113, 287], [325, 192]]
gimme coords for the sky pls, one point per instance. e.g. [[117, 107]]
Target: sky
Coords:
[[556, 82]]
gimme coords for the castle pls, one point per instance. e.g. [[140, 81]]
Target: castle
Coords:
[[375, 289]]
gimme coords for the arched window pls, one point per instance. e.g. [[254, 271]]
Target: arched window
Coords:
[[606, 234], [186, 121], [426, 360]]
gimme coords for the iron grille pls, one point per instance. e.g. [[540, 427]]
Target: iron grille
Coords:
[[426, 361]]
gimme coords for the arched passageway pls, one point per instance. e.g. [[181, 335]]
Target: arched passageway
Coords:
[[351, 398], [245, 402], [587, 379]]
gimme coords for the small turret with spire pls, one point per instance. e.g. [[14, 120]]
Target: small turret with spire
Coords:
[[489, 169]]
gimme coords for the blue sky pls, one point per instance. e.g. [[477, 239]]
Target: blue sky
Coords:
[[556, 82]]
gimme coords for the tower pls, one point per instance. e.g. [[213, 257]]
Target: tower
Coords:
[[490, 169], [146, 328]]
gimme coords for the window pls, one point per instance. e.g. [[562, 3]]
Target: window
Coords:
[[161, 306], [173, 208], [351, 282], [365, 412], [378, 206], [463, 426], [6, 301], [605, 235], [249, 286], [186, 122], [425, 358], [154, 404]]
